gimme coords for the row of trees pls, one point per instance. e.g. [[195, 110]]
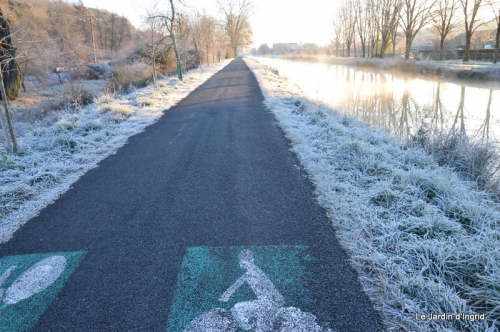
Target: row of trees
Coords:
[[50, 34], [197, 36], [380, 24], [39, 37]]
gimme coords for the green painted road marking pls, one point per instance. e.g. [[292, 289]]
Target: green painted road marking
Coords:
[[30, 283], [208, 284]]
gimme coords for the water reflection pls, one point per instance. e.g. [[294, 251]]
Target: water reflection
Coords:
[[399, 105]]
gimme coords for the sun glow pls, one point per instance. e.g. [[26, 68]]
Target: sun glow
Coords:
[[277, 21]]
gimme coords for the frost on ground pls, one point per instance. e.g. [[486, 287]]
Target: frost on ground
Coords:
[[56, 151], [423, 240]]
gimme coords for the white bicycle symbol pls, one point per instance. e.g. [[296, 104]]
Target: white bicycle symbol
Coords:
[[32, 281], [266, 313]]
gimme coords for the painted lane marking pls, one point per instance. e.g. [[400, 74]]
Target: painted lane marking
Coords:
[[35, 279], [208, 299], [269, 300], [29, 285]]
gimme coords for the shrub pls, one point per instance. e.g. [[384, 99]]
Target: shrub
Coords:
[[75, 94], [95, 71], [124, 77]]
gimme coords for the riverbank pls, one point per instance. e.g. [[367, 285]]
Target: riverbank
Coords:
[[61, 146], [423, 240], [472, 71]]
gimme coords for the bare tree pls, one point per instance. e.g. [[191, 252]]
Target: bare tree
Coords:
[[495, 7], [236, 22], [168, 20], [386, 13], [372, 27], [363, 22], [197, 31], [337, 34], [497, 36], [183, 32], [155, 41], [219, 39], [209, 25], [396, 37], [10, 80], [444, 20], [470, 9], [414, 15], [203, 29], [347, 17], [264, 49]]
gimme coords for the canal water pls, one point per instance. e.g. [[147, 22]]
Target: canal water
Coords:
[[397, 104]]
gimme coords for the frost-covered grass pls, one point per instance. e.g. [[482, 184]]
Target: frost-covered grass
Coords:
[[473, 159], [423, 240], [65, 144]]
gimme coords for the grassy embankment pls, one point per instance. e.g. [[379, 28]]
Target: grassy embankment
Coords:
[[424, 238]]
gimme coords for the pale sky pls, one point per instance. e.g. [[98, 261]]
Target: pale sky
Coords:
[[274, 21]]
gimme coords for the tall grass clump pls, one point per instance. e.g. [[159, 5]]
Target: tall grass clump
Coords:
[[75, 94], [424, 239], [474, 160], [125, 77]]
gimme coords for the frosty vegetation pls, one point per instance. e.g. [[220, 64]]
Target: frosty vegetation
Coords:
[[423, 240], [61, 147]]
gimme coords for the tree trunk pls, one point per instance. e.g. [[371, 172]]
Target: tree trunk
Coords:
[[382, 47], [407, 49], [112, 39], [93, 40], [207, 56], [407, 46], [197, 52], [170, 28], [172, 34], [3, 124], [441, 49], [374, 46], [153, 54], [8, 119], [468, 37], [497, 41]]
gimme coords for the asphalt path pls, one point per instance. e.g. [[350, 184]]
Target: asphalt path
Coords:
[[214, 171]]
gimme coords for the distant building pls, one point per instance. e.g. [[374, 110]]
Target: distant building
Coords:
[[425, 46], [422, 50], [285, 48], [489, 45]]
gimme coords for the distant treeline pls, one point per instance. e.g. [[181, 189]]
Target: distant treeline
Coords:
[[54, 34]]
